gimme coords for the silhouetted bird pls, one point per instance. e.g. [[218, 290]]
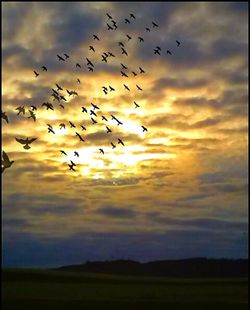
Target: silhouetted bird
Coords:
[[58, 87], [36, 74], [96, 37], [26, 142], [66, 56], [79, 136], [123, 66], [114, 24], [120, 142], [104, 118], [48, 106], [91, 48], [141, 39], [109, 27], [136, 105], [60, 58], [108, 129], [76, 154], [144, 128], [121, 44], [118, 122], [104, 58], [111, 54], [63, 152], [158, 48], [5, 117], [33, 108], [78, 80], [109, 16], [69, 92], [92, 113], [62, 106], [111, 88], [138, 87], [95, 106], [93, 121], [78, 65], [178, 43], [154, 25], [168, 52], [127, 21], [51, 130], [141, 70], [129, 38], [135, 74], [62, 125], [32, 115], [44, 68], [71, 167], [126, 87], [101, 151], [132, 16], [55, 91], [63, 98], [113, 146], [83, 128], [147, 29], [6, 163], [90, 69], [84, 110], [156, 51], [20, 110], [89, 63], [124, 74], [72, 125]]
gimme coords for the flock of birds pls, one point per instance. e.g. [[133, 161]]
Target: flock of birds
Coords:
[[94, 109]]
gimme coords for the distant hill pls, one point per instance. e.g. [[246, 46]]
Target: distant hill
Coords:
[[194, 267]]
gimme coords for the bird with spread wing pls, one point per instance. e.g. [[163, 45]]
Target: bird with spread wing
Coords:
[[26, 142]]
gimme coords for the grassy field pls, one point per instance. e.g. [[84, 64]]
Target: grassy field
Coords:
[[46, 289]]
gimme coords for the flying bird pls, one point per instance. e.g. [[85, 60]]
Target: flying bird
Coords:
[[95, 106], [111, 54], [141, 70], [33, 108], [84, 110], [83, 128], [111, 88], [63, 98], [60, 58], [113, 146], [135, 74], [154, 25], [147, 29], [78, 80], [129, 38], [127, 21], [50, 129], [58, 87], [110, 17], [126, 87], [48, 106], [96, 37], [62, 125], [78, 65], [66, 56], [6, 163], [71, 167], [118, 122], [69, 92], [32, 115], [89, 63], [5, 117], [104, 118], [101, 151], [132, 16], [108, 129], [63, 152], [123, 66], [62, 106], [90, 69], [36, 74], [120, 142], [138, 87], [20, 110], [156, 51], [104, 58], [178, 43], [136, 105], [92, 113], [26, 142], [44, 68], [144, 128], [72, 125], [76, 154], [80, 137], [109, 27], [91, 48], [93, 121], [168, 52], [55, 91], [124, 74], [141, 39], [121, 44], [158, 48]]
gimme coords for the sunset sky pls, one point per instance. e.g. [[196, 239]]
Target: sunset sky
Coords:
[[178, 190]]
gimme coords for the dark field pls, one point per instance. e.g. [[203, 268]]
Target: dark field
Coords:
[[46, 289]]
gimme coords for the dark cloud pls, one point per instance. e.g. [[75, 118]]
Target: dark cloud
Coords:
[[125, 213]]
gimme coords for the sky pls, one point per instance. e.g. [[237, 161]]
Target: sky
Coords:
[[178, 190]]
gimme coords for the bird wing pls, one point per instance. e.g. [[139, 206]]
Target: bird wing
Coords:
[[5, 158], [22, 141], [31, 140]]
